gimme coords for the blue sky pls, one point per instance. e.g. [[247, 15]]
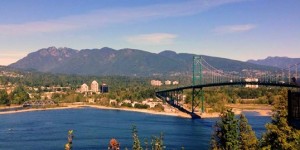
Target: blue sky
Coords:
[[235, 29]]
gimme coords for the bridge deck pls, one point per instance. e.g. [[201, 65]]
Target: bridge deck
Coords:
[[243, 83]]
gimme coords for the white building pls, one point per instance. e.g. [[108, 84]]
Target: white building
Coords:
[[168, 82], [156, 83], [84, 88], [175, 82], [95, 86]]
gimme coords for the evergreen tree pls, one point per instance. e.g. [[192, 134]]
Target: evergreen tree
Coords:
[[136, 142], [146, 144], [247, 138], [279, 134], [69, 146], [157, 143], [226, 132], [19, 95], [3, 97]]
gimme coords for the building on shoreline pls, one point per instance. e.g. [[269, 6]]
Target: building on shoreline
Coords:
[[84, 88], [95, 86], [104, 88]]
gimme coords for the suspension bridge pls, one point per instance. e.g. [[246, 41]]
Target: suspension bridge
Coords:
[[206, 75]]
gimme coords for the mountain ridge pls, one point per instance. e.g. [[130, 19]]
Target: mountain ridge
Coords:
[[127, 62], [276, 61]]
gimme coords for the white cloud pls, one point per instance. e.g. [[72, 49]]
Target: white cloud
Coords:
[[99, 18], [234, 28], [152, 39]]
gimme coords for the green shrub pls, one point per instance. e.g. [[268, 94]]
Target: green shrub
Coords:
[[141, 106]]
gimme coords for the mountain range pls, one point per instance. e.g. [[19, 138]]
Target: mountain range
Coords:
[[127, 62], [280, 62]]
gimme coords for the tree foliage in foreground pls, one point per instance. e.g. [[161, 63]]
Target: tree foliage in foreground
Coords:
[[136, 142], [247, 138], [69, 146], [156, 142], [279, 134], [232, 134], [226, 132]]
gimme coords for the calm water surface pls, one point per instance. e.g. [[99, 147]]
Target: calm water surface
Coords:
[[93, 128]]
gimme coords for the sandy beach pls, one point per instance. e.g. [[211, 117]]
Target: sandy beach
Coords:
[[259, 112], [237, 111]]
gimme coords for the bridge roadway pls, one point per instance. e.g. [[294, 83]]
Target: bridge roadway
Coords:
[[163, 93], [243, 83]]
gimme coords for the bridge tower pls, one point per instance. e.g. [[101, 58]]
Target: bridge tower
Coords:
[[197, 80], [197, 70]]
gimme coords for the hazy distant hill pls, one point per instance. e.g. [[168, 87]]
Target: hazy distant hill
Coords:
[[129, 62], [281, 62]]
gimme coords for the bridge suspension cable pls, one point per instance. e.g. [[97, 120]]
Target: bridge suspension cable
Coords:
[[205, 73]]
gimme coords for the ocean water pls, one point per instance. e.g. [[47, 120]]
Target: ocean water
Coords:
[[93, 128]]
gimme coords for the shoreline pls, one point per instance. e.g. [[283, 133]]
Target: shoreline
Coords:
[[75, 106], [237, 111], [258, 112]]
